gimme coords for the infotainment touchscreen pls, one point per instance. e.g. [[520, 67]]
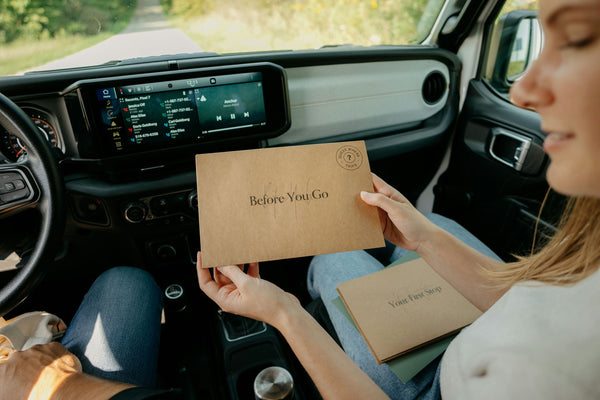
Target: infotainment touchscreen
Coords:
[[127, 116]]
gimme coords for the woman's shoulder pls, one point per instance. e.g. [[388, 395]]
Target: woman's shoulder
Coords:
[[535, 335]]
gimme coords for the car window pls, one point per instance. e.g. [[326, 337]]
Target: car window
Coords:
[[512, 5], [224, 27], [36, 34], [516, 42]]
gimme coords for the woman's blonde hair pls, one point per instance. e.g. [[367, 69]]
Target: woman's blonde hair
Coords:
[[570, 255]]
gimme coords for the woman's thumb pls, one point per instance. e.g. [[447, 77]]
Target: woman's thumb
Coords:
[[377, 200], [234, 273]]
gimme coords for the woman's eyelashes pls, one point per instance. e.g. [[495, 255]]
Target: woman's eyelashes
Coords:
[[579, 43]]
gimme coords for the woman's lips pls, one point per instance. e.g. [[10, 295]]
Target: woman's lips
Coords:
[[556, 140]]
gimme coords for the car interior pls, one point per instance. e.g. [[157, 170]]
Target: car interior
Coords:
[[97, 167]]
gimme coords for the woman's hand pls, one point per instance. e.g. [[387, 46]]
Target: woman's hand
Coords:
[[51, 372], [37, 373], [402, 223], [245, 294]]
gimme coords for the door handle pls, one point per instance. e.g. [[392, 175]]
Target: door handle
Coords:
[[516, 151]]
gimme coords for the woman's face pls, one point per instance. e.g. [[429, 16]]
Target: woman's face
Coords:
[[563, 86]]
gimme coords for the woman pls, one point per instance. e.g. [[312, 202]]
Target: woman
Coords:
[[540, 334]]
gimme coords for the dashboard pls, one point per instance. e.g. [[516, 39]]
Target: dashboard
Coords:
[[125, 137], [119, 116], [126, 144]]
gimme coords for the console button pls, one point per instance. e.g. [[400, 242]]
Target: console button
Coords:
[[9, 177], [9, 187], [167, 205], [159, 206], [19, 184], [9, 182], [135, 212], [14, 195]]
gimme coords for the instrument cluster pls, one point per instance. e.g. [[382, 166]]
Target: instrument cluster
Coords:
[[12, 147]]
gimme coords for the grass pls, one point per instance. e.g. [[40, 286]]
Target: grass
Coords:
[[228, 27], [25, 54]]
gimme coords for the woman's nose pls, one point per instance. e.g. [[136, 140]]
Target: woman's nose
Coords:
[[532, 91]]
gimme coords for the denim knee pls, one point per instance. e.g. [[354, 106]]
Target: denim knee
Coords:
[[130, 279]]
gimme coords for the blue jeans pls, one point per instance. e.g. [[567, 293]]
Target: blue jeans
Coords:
[[115, 333], [324, 274]]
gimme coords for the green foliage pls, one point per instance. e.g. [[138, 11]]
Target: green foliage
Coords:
[[40, 19], [226, 26], [512, 5], [23, 54], [187, 8]]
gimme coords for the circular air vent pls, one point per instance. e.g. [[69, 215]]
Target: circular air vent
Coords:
[[434, 87]]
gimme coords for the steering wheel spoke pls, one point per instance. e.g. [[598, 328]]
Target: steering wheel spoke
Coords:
[[18, 189]]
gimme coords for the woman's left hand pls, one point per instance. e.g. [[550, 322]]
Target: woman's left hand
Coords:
[[245, 294]]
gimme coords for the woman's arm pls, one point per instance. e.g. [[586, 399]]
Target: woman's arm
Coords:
[[456, 262], [460, 264], [333, 372]]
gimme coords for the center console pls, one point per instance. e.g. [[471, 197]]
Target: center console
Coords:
[[249, 347], [133, 182], [134, 174]]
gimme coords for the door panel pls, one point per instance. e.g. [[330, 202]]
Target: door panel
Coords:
[[495, 183]]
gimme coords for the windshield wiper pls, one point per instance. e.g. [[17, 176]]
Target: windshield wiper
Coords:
[[165, 57]]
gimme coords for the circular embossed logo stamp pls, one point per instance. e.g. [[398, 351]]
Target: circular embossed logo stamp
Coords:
[[349, 157]]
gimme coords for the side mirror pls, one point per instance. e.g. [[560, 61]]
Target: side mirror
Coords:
[[516, 43]]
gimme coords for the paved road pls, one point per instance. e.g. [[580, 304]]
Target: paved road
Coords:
[[148, 33]]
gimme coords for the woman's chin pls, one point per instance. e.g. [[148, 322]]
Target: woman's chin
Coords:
[[556, 178], [570, 183]]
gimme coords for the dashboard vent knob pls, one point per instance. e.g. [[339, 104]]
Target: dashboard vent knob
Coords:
[[135, 212], [434, 87]]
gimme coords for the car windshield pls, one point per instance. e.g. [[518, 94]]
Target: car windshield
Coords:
[[39, 35]]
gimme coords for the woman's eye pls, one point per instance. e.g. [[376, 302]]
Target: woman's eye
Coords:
[[578, 43], [582, 42], [576, 36]]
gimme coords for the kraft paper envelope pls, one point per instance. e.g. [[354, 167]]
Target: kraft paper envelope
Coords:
[[404, 307], [285, 202]]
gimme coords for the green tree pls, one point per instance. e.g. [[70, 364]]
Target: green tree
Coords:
[[36, 19]]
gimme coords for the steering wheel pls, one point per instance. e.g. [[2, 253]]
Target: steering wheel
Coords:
[[34, 181]]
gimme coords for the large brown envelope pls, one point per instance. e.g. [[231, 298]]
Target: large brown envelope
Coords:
[[405, 307], [276, 203]]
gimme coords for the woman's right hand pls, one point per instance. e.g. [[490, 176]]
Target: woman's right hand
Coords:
[[246, 294], [402, 224]]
